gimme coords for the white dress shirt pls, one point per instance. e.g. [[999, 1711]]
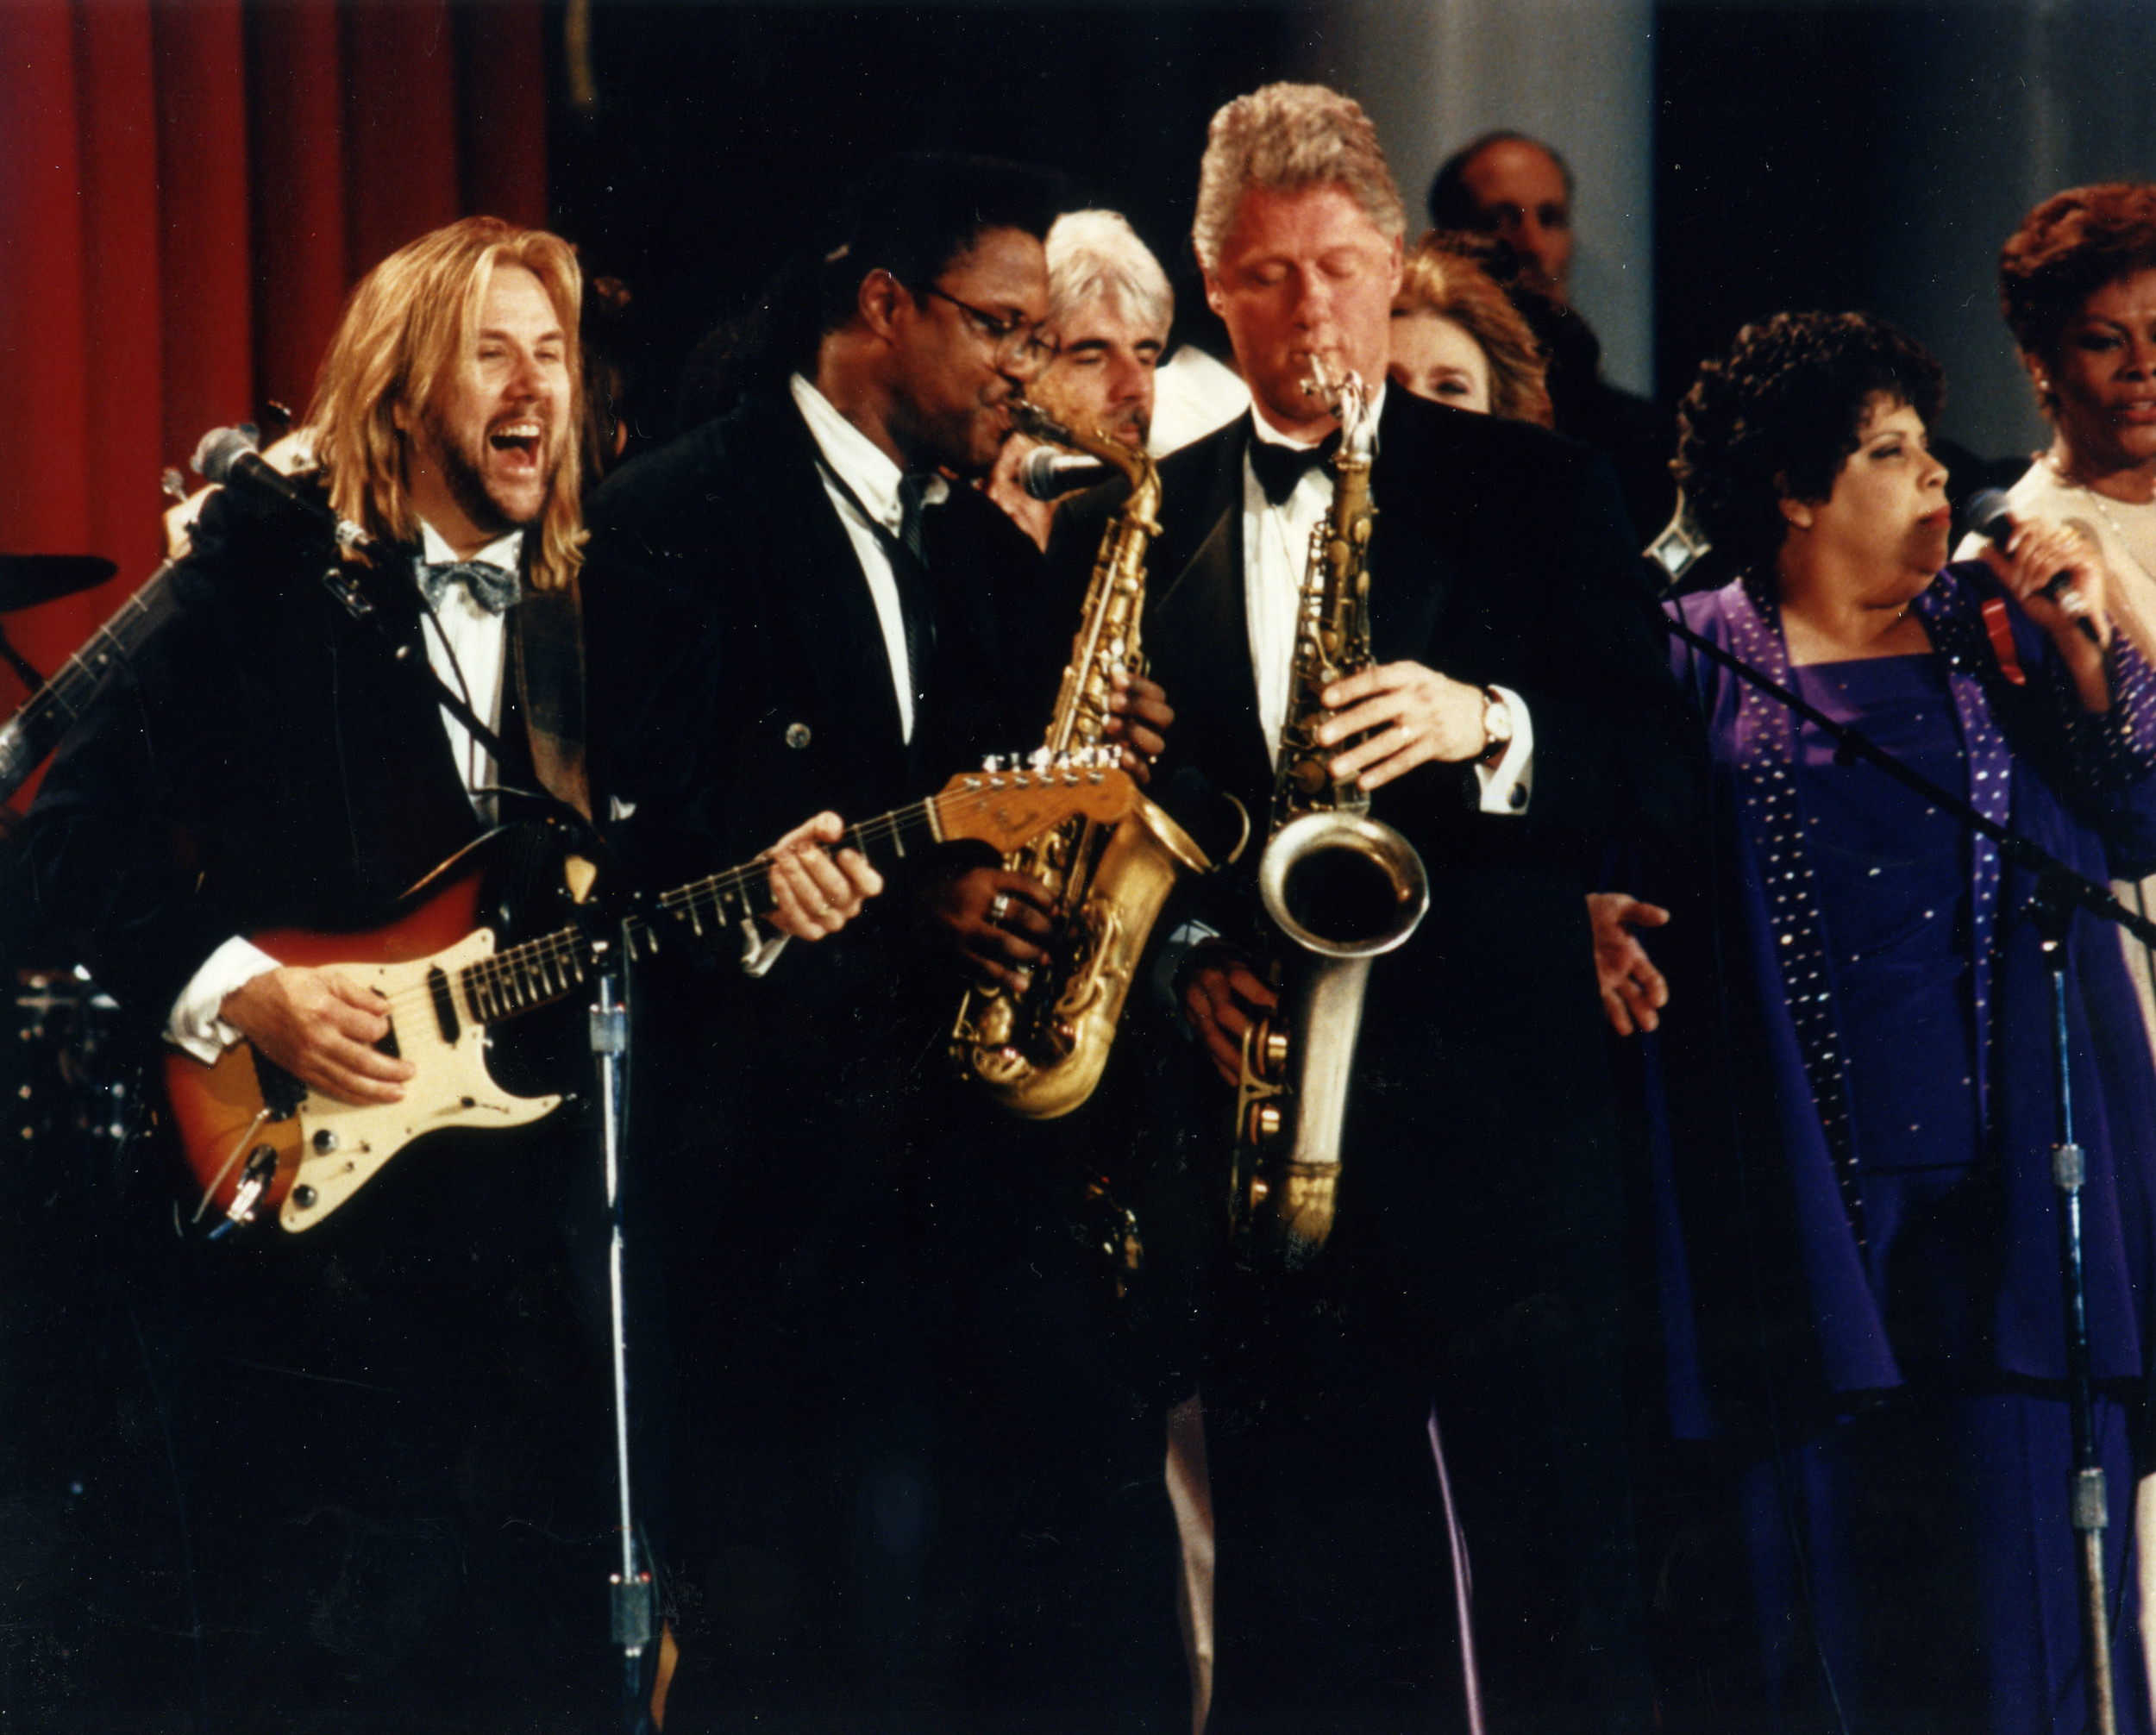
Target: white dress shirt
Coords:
[[1276, 558], [461, 638], [868, 471], [464, 638]]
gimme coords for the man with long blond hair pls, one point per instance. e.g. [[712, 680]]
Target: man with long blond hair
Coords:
[[391, 1434]]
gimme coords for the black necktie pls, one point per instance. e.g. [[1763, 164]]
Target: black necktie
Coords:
[[1279, 467], [917, 596]]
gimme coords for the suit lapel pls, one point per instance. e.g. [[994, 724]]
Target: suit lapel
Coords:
[[1411, 578], [827, 597], [1199, 623]]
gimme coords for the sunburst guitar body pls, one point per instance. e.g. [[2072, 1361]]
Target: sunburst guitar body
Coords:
[[257, 1139]]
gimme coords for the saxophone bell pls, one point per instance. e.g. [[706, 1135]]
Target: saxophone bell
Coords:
[[1343, 888]]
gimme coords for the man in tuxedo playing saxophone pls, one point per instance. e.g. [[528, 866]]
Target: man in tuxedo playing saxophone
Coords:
[[396, 1408], [1515, 717]]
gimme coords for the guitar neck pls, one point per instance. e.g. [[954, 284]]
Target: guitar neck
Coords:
[[535, 973], [36, 729]]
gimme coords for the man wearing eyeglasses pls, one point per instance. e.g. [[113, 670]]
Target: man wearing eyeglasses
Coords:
[[863, 1349]]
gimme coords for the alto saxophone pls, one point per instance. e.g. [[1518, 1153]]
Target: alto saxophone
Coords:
[[1041, 1053], [1341, 887]]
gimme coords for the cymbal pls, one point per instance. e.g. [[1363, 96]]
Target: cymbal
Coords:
[[28, 579]]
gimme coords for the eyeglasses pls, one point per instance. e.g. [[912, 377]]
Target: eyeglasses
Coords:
[[1016, 341]]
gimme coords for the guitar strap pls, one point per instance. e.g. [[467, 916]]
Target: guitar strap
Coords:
[[546, 653]]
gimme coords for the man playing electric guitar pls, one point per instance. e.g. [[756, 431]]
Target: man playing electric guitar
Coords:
[[397, 1507]]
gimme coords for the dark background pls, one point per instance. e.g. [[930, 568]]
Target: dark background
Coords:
[[1836, 155]]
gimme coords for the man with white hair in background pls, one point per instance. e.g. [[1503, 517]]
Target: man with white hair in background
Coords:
[[1109, 308]]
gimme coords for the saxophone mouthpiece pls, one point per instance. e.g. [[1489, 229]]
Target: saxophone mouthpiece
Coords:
[[1031, 420]]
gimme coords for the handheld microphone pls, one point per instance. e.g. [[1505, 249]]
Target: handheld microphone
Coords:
[[1048, 474], [227, 457], [1990, 518]]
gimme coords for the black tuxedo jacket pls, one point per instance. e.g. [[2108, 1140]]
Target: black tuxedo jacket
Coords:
[[1500, 555], [264, 760], [741, 685], [739, 665]]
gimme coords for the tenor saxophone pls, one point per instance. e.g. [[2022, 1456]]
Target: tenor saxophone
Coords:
[[1341, 887], [1040, 1054]]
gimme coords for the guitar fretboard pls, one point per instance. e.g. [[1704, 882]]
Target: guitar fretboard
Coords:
[[35, 731], [538, 972]]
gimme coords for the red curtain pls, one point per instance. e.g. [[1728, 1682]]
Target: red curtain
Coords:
[[188, 188]]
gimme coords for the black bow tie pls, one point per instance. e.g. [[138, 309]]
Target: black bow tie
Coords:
[[490, 587], [1279, 467]]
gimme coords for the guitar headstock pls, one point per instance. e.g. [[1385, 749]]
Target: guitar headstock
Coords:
[[1006, 808]]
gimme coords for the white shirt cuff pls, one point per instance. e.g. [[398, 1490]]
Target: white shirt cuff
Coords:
[[193, 1025], [1506, 785]]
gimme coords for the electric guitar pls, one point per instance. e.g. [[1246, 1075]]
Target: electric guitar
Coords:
[[255, 1138]]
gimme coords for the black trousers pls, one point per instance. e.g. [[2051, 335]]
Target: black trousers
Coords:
[[381, 1453], [1334, 1605], [915, 1481]]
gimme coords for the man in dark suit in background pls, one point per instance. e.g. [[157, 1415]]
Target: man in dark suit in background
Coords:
[[839, 611], [1519, 190], [1516, 718]]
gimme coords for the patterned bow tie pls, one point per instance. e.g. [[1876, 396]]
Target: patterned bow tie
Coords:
[[490, 587], [1279, 467]]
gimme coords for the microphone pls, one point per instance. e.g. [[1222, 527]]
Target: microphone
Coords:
[[1047, 474], [1990, 518], [227, 457]]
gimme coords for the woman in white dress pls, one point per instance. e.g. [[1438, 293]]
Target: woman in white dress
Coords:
[[2077, 285]]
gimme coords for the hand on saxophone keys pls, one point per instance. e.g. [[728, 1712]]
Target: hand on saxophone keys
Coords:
[[1222, 996], [1418, 715], [1139, 717], [995, 922]]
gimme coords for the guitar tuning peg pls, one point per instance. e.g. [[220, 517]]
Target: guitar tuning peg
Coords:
[[992, 762], [172, 484], [1039, 758]]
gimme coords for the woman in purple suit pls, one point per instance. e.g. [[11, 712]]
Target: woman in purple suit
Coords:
[[1861, 1292]]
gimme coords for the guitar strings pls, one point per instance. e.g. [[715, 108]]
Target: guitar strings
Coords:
[[500, 984]]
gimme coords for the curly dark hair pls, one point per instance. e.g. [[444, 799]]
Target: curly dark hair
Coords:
[[1777, 419], [2065, 250]]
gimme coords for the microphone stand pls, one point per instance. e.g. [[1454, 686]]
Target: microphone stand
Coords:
[[630, 1598], [2060, 891]]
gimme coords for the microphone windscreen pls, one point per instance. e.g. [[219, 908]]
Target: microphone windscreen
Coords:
[[1989, 517], [1048, 474], [219, 450]]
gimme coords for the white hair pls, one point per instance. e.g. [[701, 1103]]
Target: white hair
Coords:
[[1096, 252], [1284, 138]]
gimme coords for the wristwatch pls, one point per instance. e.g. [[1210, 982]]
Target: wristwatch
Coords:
[[1496, 725]]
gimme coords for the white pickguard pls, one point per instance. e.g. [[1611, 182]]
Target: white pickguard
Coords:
[[342, 1144]]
